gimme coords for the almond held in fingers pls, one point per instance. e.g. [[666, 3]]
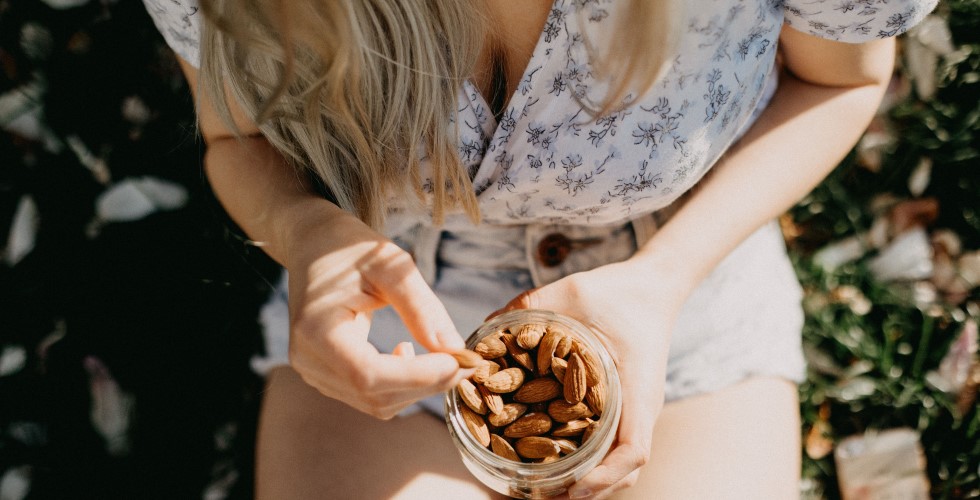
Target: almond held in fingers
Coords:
[[471, 396], [507, 415], [493, 401], [532, 424], [517, 353], [502, 448], [505, 381], [536, 447], [546, 349], [529, 335], [476, 425], [467, 358], [484, 371], [490, 348], [563, 411], [538, 390], [575, 379]]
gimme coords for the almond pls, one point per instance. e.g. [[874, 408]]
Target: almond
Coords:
[[563, 411], [532, 424], [467, 358], [536, 447], [564, 347], [508, 414], [546, 349], [471, 396], [558, 367], [575, 379], [529, 335], [517, 353], [494, 402], [505, 381], [484, 371], [565, 446], [538, 390], [502, 448], [589, 431], [476, 425], [593, 368], [595, 397], [573, 428], [490, 348]]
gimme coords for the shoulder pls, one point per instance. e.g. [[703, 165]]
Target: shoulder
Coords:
[[855, 21], [179, 21]]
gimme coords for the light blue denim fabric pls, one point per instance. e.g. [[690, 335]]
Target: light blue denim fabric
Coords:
[[745, 319]]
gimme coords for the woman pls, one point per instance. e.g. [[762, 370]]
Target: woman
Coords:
[[457, 158]]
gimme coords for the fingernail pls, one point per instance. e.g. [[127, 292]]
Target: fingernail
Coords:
[[579, 494]]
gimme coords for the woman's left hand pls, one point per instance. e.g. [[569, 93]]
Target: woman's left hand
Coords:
[[633, 314]]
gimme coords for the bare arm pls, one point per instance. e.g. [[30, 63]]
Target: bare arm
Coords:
[[266, 197], [339, 271], [827, 96], [824, 102]]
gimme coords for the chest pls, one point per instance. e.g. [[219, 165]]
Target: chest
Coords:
[[513, 28]]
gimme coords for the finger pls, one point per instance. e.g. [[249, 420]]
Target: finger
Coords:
[[631, 450], [528, 299], [420, 309], [404, 350]]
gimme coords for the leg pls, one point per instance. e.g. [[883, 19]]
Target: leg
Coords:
[[310, 446], [740, 442]]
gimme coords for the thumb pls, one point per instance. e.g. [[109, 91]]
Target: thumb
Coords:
[[423, 313], [535, 298]]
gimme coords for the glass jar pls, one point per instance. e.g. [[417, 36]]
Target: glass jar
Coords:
[[537, 480]]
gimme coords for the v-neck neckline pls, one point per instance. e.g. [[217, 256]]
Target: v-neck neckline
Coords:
[[526, 75]]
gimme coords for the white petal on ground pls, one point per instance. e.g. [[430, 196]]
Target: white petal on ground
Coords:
[[20, 101], [111, 407], [907, 257], [919, 180], [135, 198], [968, 266], [15, 483], [12, 360], [135, 111], [23, 231], [840, 252], [955, 367], [65, 4], [274, 318]]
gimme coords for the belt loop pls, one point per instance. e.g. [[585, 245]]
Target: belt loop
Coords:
[[643, 229], [425, 251]]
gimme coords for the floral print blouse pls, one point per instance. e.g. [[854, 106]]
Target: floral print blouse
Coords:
[[545, 160]]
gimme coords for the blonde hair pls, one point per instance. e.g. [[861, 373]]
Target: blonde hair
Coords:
[[359, 91]]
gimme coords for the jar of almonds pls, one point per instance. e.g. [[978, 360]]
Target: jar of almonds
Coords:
[[541, 409]]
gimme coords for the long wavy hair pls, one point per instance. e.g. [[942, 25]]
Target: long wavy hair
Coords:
[[359, 92]]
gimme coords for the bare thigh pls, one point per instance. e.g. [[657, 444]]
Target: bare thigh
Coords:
[[742, 442], [313, 447]]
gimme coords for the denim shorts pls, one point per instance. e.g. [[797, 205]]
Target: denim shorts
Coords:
[[745, 319]]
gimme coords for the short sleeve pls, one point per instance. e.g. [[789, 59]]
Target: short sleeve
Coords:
[[179, 21], [855, 21]]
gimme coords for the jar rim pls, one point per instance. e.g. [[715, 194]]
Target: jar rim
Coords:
[[457, 426]]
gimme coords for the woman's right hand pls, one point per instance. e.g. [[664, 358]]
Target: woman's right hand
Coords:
[[340, 271]]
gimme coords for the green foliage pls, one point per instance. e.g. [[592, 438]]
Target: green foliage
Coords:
[[871, 343]]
